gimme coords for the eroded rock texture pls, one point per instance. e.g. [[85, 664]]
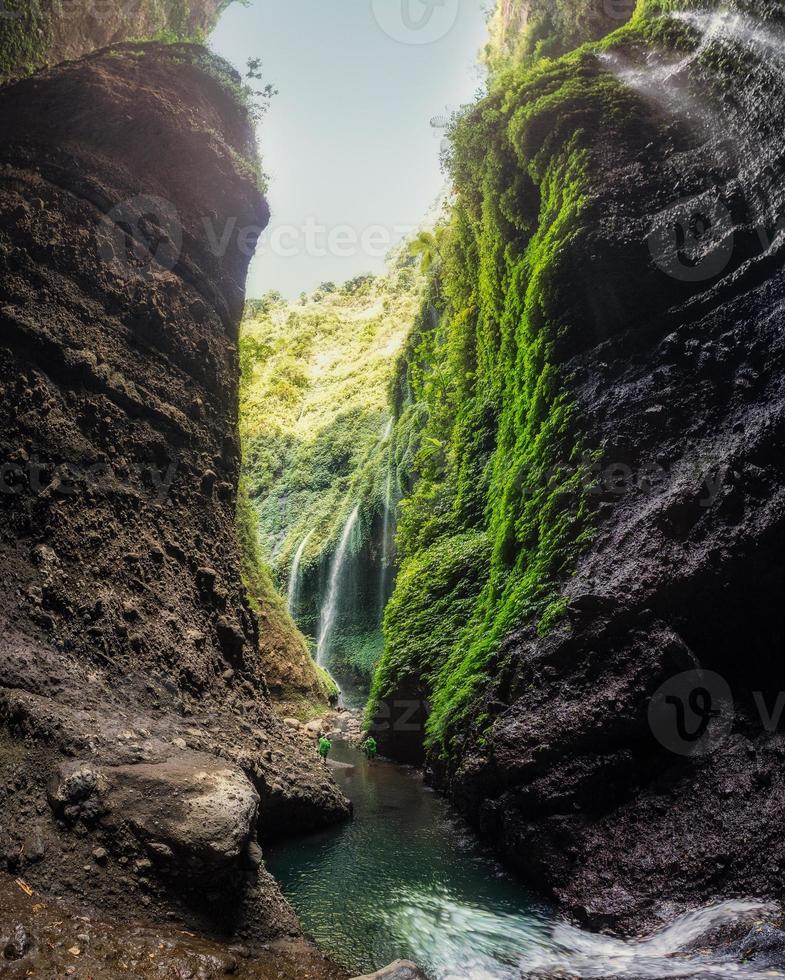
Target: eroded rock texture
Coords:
[[140, 759]]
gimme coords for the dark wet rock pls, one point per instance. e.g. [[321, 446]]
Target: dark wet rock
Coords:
[[574, 762], [764, 945], [18, 946]]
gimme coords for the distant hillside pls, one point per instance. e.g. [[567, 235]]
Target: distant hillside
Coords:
[[315, 386]]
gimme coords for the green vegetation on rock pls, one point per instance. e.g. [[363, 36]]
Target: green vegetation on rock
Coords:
[[314, 408], [292, 676], [498, 508]]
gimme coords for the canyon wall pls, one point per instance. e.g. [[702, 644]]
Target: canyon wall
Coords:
[[597, 499], [141, 760], [37, 33]]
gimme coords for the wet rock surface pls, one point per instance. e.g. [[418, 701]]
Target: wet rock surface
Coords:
[[137, 736]]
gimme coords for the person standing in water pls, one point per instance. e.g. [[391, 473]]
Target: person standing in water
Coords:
[[369, 748], [324, 747]]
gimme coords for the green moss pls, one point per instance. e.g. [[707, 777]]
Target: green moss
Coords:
[[435, 596], [282, 648], [25, 37], [27, 29], [499, 455]]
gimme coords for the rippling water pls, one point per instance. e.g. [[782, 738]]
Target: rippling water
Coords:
[[406, 879]]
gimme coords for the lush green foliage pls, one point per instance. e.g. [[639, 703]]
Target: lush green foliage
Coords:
[[25, 35], [498, 508], [283, 650], [314, 405]]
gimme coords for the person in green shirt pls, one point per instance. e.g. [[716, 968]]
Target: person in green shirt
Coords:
[[324, 747], [369, 747]]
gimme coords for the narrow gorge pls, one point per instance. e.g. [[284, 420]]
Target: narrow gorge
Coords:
[[494, 526]]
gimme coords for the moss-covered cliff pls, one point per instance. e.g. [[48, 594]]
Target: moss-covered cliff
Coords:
[[37, 33], [591, 391]]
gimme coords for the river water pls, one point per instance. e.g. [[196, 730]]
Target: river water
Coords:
[[406, 879]]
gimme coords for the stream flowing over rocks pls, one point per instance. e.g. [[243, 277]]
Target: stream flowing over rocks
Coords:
[[141, 762]]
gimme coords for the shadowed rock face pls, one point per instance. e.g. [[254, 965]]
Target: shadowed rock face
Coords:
[[588, 780], [130, 210]]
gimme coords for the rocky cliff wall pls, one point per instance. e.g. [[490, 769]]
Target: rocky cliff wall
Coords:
[[141, 761], [37, 33]]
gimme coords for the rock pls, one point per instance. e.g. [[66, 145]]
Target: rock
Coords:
[[230, 636], [108, 369], [35, 845], [160, 851], [314, 727], [214, 817], [206, 579], [293, 723], [764, 945], [19, 945], [100, 855], [74, 793], [254, 856], [398, 970]]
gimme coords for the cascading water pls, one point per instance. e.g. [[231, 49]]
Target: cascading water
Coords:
[[293, 591], [330, 606], [385, 539], [388, 509], [568, 951]]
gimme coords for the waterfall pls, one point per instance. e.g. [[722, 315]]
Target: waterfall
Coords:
[[330, 605], [292, 594], [385, 538]]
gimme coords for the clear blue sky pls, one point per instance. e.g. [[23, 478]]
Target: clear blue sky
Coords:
[[348, 143]]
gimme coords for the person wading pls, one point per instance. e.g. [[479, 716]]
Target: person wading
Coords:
[[324, 747], [369, 748]]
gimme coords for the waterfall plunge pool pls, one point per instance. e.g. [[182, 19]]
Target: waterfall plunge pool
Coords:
[[405, 879]]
